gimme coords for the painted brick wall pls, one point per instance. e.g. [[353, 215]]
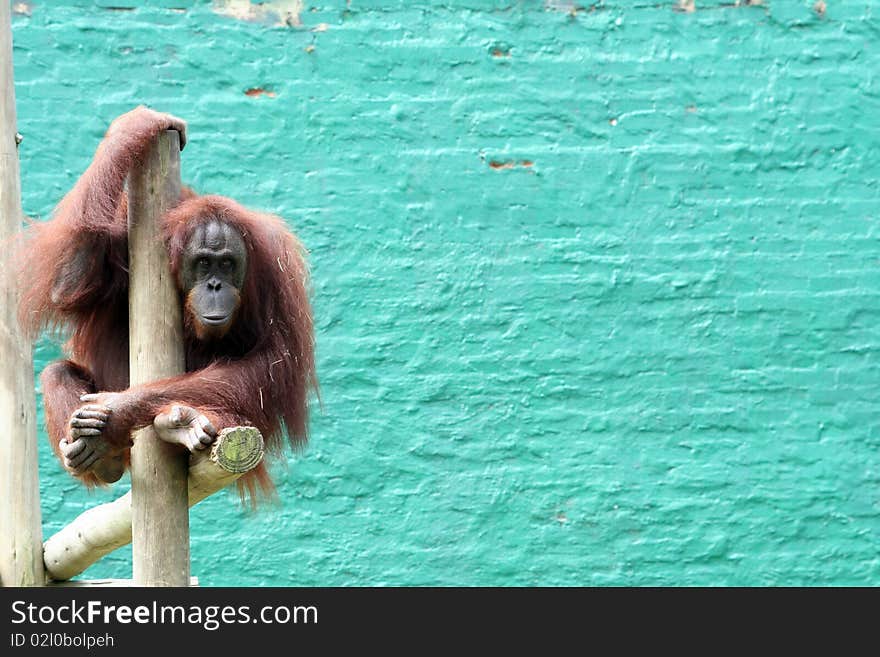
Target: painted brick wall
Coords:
[[595, 283]]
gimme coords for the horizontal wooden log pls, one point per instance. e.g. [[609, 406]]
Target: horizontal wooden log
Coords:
[[102, 529]]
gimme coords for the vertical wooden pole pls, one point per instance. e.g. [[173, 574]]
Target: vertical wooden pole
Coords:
[[21, 534], [160, 512]]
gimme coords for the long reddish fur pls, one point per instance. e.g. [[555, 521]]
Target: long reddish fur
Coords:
[[259, 374]]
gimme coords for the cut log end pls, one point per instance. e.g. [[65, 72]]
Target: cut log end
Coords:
[[238, 449]]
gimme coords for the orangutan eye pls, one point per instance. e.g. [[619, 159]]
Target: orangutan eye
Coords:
[[203, 263], [227, 264]]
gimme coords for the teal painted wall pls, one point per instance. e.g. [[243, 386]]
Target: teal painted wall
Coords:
[[595, 287]]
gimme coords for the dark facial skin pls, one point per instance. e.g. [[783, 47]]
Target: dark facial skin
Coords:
[[211, 275]]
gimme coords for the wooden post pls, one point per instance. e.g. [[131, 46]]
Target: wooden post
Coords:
[[102, 529], [21, 559], [160, 517]]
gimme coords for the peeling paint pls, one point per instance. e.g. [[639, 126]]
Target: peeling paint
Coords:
[[691, 6], [510, 164], [22, 8], [254, 92], [686, 6], [571, 8], [277, 12]]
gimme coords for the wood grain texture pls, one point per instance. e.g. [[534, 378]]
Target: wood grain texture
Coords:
[[21, 562], [160, 518]]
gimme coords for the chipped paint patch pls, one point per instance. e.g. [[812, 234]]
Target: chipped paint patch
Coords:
[[510, 164], [285, 13], [255, 92], [686, 6], [569, 7]]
